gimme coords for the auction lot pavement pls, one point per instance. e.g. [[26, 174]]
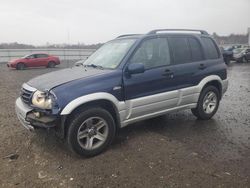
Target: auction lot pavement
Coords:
[[174, 150]]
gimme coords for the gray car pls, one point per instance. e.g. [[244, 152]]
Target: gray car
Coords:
[[242, 55]]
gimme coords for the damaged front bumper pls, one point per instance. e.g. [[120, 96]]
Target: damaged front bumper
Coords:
[[30, 118]]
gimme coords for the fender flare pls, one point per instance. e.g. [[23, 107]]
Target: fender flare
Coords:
[[208, 79], [92, 97]]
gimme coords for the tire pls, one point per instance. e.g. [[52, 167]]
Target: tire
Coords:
[[91, 131], [51, 64], [208, 103], [244, 60], [20, 66], [227, 60]]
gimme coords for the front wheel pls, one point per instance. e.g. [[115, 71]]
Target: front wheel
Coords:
[[91, 132], [51, 64], [208, 103], [20, 66]]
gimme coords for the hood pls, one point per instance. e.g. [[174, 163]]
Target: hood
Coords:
[[56, 78]]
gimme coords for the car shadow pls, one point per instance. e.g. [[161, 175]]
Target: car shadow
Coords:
[[182, 127]]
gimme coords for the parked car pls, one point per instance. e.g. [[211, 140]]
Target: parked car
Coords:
[[233, 47], [242, 55], [227, 55], [129, 79], [34, 60]]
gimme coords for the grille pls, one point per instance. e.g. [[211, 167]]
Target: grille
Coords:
[[26, 95]]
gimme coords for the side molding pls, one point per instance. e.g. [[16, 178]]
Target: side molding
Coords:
[[184, 98], [92, 97]]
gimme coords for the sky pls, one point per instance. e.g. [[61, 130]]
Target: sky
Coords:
[[39, 22]]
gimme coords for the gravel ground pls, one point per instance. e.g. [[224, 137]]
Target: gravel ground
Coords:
[[174, 150]]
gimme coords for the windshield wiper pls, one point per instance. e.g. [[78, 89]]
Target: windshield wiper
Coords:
[[94, 66]]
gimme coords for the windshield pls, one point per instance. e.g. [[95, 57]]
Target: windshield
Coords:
[[25, 56], [228, 48], [110, 54]]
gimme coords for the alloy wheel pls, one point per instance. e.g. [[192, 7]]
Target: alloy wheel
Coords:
[[92, 133], [210, 102]]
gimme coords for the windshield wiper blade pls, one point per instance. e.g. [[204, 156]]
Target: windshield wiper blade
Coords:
[[94, 66]]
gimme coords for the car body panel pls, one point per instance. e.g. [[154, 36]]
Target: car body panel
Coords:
[[56, 78]]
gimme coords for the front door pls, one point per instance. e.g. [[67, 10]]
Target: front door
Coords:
[[31, 60], [150, 91]]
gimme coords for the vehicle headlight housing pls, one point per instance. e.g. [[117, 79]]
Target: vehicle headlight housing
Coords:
[[43, 100]]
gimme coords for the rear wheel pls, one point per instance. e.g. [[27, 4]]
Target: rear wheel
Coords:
[[91, 132], [208, 103], [51, 64], [20, 66]]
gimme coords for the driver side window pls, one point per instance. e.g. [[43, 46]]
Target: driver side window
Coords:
[[152, 53]]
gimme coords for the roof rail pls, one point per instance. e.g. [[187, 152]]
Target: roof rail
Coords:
[[193, 30], [127, 35]]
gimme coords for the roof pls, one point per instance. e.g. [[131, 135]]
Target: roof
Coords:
[[166, 31]]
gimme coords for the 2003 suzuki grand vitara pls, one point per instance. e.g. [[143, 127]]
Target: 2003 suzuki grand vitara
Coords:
[[128, 79]]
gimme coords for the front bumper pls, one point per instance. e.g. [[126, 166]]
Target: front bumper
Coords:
[[26, 116], [10, 65], [21, 111]]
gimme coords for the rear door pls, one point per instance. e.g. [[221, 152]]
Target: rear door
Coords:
[[214, 63], [189, 60], [188, 65], [41, 60]]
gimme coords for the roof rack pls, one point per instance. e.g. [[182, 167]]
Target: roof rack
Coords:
[[127, 35], [193, 30]]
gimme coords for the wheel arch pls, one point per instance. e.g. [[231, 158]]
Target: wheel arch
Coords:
[[213, 80], [20, 63], [107, 102]]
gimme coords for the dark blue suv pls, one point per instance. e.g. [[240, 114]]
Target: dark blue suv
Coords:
[[129, 79]]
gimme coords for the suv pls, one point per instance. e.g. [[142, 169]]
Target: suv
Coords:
[[128, 79], [34, 60]]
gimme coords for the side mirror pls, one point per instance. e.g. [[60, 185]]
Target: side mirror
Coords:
[[136, 68]]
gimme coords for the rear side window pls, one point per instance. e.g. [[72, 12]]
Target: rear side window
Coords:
[[180, 49], [210, 48], [195, 49], [41, 55]]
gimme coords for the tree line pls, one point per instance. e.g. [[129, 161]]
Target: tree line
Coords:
[[230, 39], [16, 45]]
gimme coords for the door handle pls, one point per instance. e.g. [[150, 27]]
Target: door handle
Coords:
[[168, 73], [202, 66]]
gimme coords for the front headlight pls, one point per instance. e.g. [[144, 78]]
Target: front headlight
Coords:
[[42, 100]]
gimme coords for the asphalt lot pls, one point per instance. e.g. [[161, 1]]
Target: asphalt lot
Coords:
[[174, 150]]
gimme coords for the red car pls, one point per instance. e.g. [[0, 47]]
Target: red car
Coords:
[[34, 60]]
